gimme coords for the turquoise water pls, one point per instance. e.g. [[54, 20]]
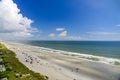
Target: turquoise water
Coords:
[[98, 48]]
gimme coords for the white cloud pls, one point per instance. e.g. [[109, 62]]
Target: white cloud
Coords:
[[60, 29], [52, 35], [63, 34], [12, 22], [103, 33]]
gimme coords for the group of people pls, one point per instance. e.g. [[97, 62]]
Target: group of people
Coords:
[[30, 59]]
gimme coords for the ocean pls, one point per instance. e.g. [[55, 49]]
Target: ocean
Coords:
[[109, 49]]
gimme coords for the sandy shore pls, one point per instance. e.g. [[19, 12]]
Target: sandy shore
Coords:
[[62, 67]]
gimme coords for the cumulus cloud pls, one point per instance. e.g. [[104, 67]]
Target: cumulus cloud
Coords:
[[12, 22], [60, 29], [52, 35], [63, 34]]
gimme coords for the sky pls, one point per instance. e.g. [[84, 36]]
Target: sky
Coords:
[[60, 20]]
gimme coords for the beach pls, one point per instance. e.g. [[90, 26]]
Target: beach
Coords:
[[58, 66]]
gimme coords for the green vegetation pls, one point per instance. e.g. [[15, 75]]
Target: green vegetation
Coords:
[[93, 58], [14, 69]]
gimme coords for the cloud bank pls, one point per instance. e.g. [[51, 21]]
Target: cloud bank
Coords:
[[12, 22]]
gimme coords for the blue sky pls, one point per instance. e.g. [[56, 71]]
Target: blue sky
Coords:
[[72, 19]]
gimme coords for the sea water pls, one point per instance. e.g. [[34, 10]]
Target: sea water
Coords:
[[109, 49]]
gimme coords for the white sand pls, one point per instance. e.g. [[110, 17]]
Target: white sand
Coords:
[[62, 67]]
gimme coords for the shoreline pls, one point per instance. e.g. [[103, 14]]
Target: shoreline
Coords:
[[63, 67], [88, 57], [107, 60]]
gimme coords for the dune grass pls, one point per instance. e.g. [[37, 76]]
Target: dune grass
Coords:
[[14, 69]]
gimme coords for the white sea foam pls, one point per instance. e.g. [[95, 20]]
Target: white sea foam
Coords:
[[74, 54], [79, 55]]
